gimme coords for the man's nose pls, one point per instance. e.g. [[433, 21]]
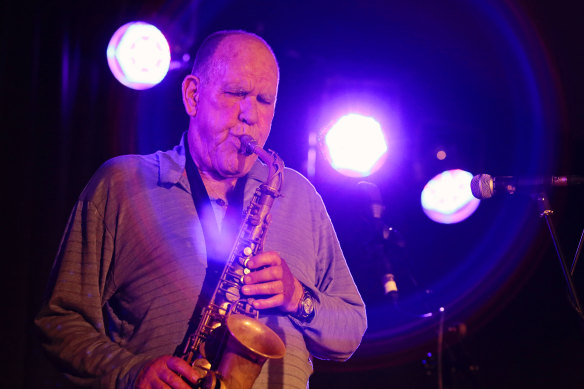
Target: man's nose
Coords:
[[248, 112]]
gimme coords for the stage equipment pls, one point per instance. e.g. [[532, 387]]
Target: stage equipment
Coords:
[[381, 237], [485, 186]]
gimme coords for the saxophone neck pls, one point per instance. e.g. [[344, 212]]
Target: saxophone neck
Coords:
[[275, 164], [275, 173]]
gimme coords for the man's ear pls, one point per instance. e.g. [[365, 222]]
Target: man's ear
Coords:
[[190, 94]]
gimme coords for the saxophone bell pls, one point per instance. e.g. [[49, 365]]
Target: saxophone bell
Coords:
[[249, 345]]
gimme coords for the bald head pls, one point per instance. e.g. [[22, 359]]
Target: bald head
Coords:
[[206, 62]]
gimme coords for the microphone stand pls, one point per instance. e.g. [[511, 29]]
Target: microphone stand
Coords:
[[546, 212]]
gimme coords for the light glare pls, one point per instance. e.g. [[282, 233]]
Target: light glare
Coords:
[[138, 55], [356, 145], [447, 198]]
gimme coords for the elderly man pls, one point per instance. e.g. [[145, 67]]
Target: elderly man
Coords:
[[148, 231]]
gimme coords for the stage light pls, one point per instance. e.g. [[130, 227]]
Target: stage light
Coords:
[[355, 145], [447, 198], [138, 55]]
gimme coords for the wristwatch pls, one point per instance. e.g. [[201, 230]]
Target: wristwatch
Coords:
[[305, 310]]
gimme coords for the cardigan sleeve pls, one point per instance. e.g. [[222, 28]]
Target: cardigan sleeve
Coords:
[[340, 319], [71, 320]]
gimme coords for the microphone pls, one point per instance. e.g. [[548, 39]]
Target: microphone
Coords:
[[374, 196], [483, 186], [377, 209]]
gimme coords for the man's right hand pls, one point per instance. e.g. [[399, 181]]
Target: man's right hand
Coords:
[[166, 372]]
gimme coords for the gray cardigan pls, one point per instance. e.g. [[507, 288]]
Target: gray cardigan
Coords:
[[132, 260]]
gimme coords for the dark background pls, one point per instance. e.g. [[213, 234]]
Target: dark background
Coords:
[[496, 84]]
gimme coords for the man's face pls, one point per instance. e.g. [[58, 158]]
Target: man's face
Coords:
[[236, 97]]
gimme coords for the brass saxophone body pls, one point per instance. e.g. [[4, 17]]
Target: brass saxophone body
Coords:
[[230, 344]]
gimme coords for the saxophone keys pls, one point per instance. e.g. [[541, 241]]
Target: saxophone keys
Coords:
[[232, 293]]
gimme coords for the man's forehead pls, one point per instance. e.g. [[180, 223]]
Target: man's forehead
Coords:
[[245, 50], [237, 42]]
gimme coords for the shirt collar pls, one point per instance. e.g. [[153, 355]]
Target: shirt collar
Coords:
[[172, 163], [172, 166]]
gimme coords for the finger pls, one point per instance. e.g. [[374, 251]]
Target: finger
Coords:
[[159, 384], [183, 369], [269, 258], [270, 302], [266, 288], [151, 374], [164, 378], [168, 379], [152, 383], [271, 273]]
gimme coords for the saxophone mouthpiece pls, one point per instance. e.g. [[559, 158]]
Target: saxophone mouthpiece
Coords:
[[248, 145]]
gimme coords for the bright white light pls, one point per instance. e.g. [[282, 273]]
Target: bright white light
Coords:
[[356, 146], [447, 198], [138, 55]]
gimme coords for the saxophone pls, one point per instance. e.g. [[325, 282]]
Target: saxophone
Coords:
[[230, 344]]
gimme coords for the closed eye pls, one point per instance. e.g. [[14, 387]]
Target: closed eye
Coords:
[[265, 99], [239, 93]]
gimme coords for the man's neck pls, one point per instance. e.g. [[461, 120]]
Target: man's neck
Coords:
[[218, 188]]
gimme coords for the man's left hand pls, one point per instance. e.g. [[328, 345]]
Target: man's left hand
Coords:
[[273, 282]]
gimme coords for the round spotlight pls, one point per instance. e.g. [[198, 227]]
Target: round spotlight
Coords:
[[447, 198], [355, 145], [138, 55]]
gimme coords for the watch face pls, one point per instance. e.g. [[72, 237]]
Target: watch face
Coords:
[[307, 305]]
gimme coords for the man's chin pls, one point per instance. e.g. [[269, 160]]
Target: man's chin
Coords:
[[236, 167], [232, 172]]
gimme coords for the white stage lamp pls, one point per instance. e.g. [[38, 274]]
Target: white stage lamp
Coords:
[[138, 55], [447, 198], [355, 145]]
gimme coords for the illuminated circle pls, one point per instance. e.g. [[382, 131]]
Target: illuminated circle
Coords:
[[355, 145], [138, 55], [441, 155], [447, 197]]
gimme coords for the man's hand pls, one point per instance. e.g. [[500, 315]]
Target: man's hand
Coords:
[[166, 372], [274, 280]]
